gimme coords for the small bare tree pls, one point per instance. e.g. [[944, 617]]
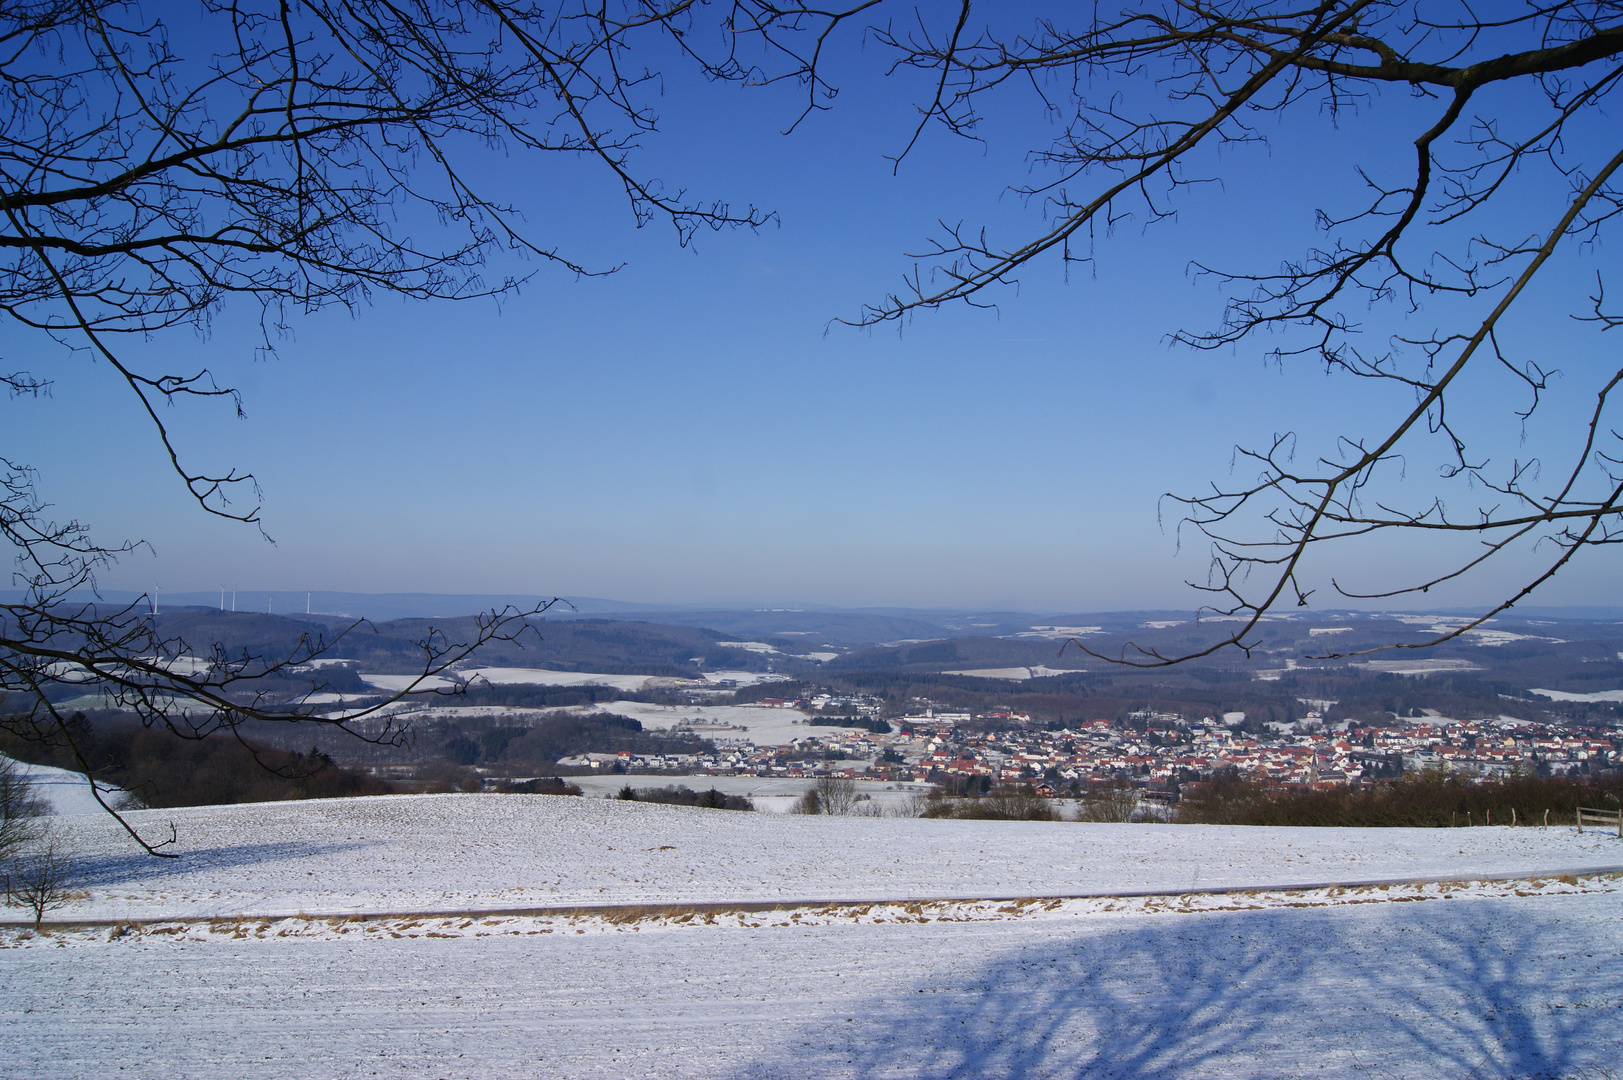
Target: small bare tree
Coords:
[[836, 794], [829, 795], [42, 878], [1113, 805]]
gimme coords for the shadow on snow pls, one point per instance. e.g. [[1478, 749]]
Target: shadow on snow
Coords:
[[129, 867], [1438, 989]]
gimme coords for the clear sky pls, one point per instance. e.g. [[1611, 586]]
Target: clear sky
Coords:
[[691, 429]]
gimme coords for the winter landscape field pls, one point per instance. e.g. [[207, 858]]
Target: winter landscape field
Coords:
[[490, 935]]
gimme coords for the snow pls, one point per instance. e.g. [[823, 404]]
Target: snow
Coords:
[[329, 698], [1562, 695], [1483, 988], [396, 684], [1418, 667], [746, 678], [1491, 979], [482, 852], [1019, 673], [1492, 638], [67, 792], [748, 646], [1438, 624], [509, 676], [514, 676], [1059, 633], [764, 725]]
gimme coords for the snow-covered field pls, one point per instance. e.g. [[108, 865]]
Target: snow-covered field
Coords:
[[410, 853], [764, 725], [1562, 695], [738, 965], [510, 676], [65, 792], [1019, 674]]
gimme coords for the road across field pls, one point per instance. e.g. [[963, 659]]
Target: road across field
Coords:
[[620, 912]]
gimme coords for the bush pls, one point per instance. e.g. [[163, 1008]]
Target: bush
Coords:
[[686, 796], [1004, 802], [540, 785], [865, 723], [442, 777]]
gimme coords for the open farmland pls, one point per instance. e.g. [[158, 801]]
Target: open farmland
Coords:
[[462, 936]]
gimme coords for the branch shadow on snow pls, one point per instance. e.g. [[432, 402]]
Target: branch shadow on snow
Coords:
[[1473, 989], [127, 868]]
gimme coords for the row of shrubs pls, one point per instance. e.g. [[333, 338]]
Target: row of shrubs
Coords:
[[682, 795], [1431, 801], [1428, 801]]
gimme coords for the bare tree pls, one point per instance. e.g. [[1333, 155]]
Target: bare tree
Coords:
[[830, 795], [42, 878], [1115, 804], [836, 794]]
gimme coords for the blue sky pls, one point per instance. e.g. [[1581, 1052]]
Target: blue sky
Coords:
[[691, 429]]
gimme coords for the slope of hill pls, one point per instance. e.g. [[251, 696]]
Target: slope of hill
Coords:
[[470, 852], [1512, 979]]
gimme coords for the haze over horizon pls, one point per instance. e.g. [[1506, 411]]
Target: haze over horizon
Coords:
[[384, 606]]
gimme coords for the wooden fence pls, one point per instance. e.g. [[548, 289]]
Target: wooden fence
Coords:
[[1601, 817]]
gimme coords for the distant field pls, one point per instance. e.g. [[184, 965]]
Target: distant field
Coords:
[[685, 974]]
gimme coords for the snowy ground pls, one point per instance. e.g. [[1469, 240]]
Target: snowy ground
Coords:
[[1469, 988], [411, 853], [1463, 978], [65, 792]]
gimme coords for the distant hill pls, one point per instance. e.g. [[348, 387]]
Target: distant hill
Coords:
[[609, 647]]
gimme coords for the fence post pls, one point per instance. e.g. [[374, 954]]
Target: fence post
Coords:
[[1580, 821], [1513, 816]]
